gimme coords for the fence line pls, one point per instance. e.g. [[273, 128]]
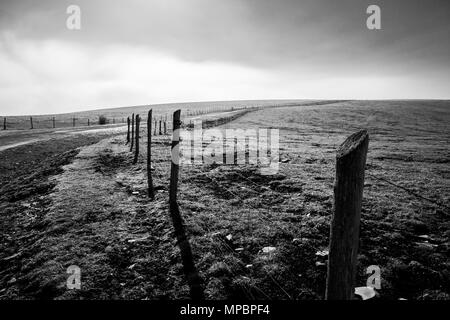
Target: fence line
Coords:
[[344, 229]]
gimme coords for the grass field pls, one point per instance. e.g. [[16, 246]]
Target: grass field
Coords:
[[88, 207]]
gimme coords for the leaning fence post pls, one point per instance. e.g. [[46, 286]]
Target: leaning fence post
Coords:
[[344, 230], [136, 154], [31, 122], [132, 132], [189, 268], [151, 192]]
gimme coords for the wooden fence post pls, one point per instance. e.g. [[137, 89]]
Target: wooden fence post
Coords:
[[151, 191], [175, 158], [189, 268], [160, 130], [4, 123], [128, 130], [132, 132], [344, 231], [156, 124], [89, 122], [165, 127], [31, 122], [136, 154], [53, 121]]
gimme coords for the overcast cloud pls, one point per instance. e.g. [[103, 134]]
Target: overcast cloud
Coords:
[[159, 51]]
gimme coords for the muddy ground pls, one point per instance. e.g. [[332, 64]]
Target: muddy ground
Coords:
[[62, 205]]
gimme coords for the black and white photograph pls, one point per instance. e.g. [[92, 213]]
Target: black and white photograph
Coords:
[[199, 152]]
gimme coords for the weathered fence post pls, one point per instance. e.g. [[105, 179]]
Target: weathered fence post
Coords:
[[344, 230], [31, 122], [128, 130], [151, 191], [156, 124], [165, 127], [189, 268], [73, 122], [160, 131], [89, 123], [175, 158], [136, 154], [132, 132], [53, 121], [4, 123]]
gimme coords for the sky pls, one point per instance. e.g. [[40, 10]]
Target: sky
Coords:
[[138, 52]]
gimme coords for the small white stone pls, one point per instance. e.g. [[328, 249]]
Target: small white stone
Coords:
[[365, 292], [268, 249]]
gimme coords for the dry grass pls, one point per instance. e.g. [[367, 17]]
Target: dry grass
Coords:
[[98, 215]]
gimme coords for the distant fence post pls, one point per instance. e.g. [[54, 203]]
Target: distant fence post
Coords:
[[160, 131], [136, 154], [165, 127], [344, 231], [156, 124], [53, 121], [73, 122], [151, 191], [89, 122], [189, 268], [31, 122], [4, 123], [128, 130], [132, 132]]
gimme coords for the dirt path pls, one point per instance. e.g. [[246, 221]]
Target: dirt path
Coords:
[[14, 138], [100, 220]]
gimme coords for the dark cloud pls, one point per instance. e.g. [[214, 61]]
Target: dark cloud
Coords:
[[256, 32], [289, 49]]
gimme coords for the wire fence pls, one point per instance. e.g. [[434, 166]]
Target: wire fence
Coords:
[[55, 122]]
